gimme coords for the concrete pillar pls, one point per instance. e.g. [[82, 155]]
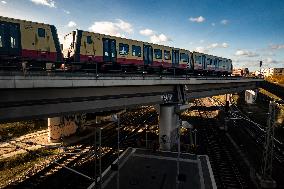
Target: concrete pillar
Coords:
[[168, 127], [59, 127], [54, 129], [250, 96]]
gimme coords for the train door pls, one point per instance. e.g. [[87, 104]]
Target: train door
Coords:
[[203, 62], [175, 55], [215, 64], [10, 39], [42, 43], [109, 50], [148, 54], [3, 39]]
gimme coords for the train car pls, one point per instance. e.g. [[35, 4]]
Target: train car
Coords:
[[167, 57], [87, 49], [186, 60], [225, 66], [210, 64], [152, 56], [205, 64], [198, 62], [28, 45]]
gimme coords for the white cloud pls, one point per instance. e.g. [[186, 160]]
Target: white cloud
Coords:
[[253, 63], [155, 37], [213, 24], [4, 2], [276, 47], [112, 28], [225, 45], [224, 22], [197, 19], [146, 32], [217, 45], [270, 60], [245, 53], [201, 41], [49, 3], [124, 26], [201, 49], [71, 24], [66, 11], [159, 38], [213, 45]]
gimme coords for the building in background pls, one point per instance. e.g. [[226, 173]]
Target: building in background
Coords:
[[240, 72], [273, 72], [267, 72]]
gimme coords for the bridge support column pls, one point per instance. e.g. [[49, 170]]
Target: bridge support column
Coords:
[[168, 127], [251, 96], [59, 127]]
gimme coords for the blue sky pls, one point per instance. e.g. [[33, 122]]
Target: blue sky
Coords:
[[246, 31]]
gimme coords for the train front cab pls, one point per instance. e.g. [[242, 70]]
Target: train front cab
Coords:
[[28, 45]]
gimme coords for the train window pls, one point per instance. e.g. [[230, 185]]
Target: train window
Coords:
[[14, 38], [123, 49], [2, 29], [215, 62], [106, 47], [158, 53], [89, 40], [183, 57], [41, 32], [167, 55], [136, 50], [13, 42], [198, 59]]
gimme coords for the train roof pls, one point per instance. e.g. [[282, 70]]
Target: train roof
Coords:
[[20, 20], [129, 39], [210, 55]]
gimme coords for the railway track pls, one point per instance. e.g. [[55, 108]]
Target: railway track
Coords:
[[28, 141], [255, 131], [80, 159], [227, 173], [250, 136]]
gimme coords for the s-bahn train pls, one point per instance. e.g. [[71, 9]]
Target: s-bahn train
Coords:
[[31, 45]]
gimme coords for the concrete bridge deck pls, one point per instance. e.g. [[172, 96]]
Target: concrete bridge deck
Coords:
[[8, 82], [44, 96]]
